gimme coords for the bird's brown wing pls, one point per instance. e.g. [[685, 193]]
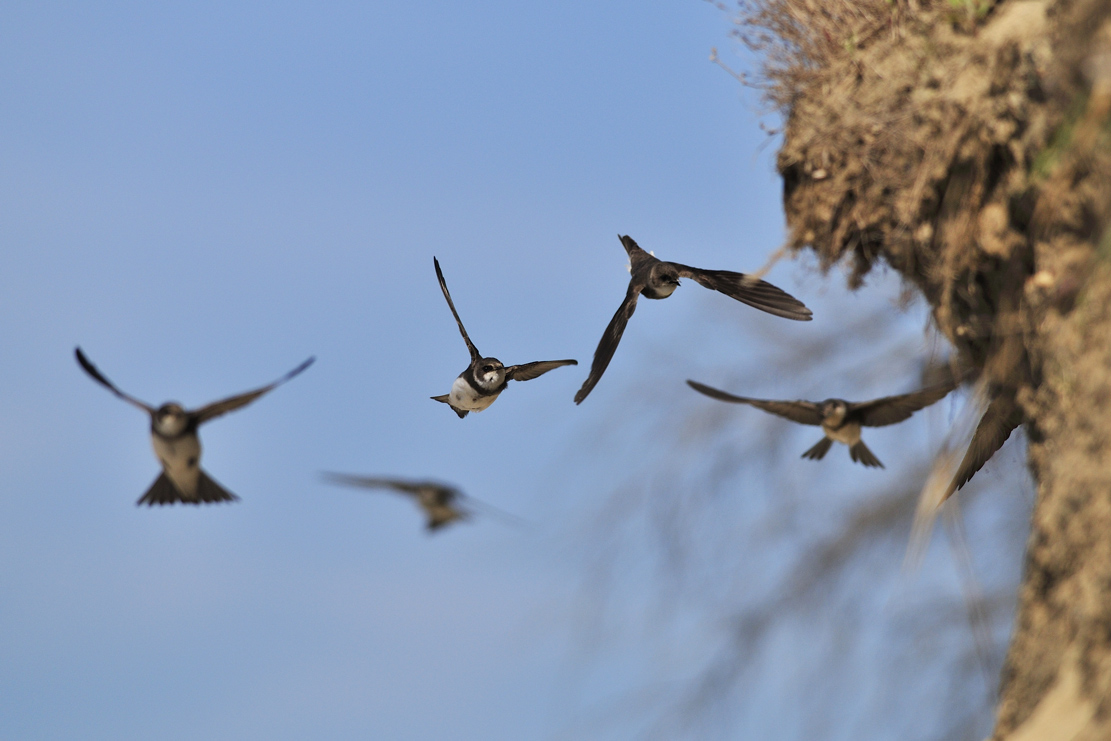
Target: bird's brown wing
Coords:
[[892, 409], [611, 337], [218, 408], [529, 371], [475, 354], [803, 412], [444, 494], [637, 256], [101, 379], [1002, 416], [758, 294], [411, 488]]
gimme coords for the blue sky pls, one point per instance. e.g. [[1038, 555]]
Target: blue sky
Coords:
[[201, 195]]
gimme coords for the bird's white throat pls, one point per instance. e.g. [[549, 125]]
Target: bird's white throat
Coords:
[[170, 425], [491, 380]]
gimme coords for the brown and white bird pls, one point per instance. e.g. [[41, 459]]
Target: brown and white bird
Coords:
[[841, 420], [482, 382], [173, 433], [657, 279], [442, 504]]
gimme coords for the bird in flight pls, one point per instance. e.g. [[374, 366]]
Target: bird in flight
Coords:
[[841, 420], [479, 385], [657, 279], [1001, 417], [442, 504], [173, 433]]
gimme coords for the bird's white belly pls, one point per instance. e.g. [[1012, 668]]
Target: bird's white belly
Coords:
[[847, 433], [181, 461], [463, 396], [665, 290]]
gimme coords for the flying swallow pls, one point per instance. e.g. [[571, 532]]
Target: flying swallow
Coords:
[[1001, 417], [173, 433], [841, 420], [442, 504], [479, 385], [653, 278]]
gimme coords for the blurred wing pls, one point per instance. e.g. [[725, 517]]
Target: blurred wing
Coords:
[[218, 408], [497, 513], [607, 346], [366, 482], [475, 354], [758, 294], [445, 495], [892, 409], [803, 412], [100, 378], [529, 371], [1003, 415]]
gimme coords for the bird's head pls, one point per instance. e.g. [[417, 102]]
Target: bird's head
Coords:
[[170, 419], [834, 411], [489, 373], [664, 279]]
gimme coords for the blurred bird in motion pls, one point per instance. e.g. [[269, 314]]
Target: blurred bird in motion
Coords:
[[442, 504], [657, 279], [173, 433], [841, 420], [479, 385]]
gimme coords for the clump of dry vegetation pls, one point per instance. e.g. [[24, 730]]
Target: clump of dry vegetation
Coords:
[[937, 136]]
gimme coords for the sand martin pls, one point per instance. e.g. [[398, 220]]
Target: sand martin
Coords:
[[1000, 419], [173, 432], [442, 504], [658, 279], [478, 386], [841, 420]]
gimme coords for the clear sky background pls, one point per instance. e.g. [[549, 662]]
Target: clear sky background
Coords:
[[201, 195]]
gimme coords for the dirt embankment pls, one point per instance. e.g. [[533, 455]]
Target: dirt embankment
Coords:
[[967, 144]]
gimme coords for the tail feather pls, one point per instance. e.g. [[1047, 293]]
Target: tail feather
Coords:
[[208, 491], [818, 451], [860, 454], [163, 491], [444, 398]]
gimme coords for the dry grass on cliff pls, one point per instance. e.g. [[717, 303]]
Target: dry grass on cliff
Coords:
[[899, 126], [932, 136], [800, 39]]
